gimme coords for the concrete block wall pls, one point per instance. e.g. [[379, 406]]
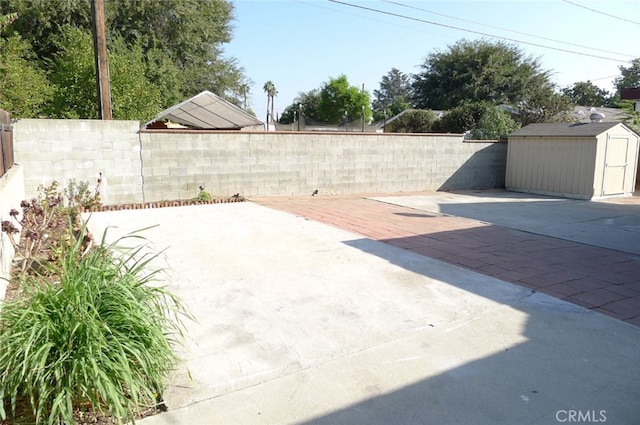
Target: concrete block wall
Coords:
[[80, 149], [11, 193], [297, 163], [154, 165]]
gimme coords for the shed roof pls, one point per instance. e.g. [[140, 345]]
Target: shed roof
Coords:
[[590, 129], [208, 111]]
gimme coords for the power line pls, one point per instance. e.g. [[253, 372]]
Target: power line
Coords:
[[475, 32], [505, 29], [602, 13], [360, 16]]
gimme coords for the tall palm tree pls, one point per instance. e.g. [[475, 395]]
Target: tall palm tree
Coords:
[[244, 88], [271, 91]]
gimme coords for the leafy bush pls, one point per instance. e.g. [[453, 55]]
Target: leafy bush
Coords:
[[96, 337], [413, 121], [79, 195], [41, 228], [481, 119], [203, 195]]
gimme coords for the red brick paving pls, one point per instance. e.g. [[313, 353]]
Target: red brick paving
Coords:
[[601, 279]]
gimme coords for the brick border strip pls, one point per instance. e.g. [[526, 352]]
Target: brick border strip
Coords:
[[161, 204]]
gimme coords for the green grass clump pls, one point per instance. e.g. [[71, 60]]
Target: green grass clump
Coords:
[[100, 338]]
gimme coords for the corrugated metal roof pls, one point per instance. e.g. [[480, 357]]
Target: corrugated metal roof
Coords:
[[590, 129], [209, 112]]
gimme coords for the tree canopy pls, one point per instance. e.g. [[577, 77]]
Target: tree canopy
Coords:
[[585, 93], [335, 102], [340, 101], [474, 71], [73, 75], [24, 88], [629, 76], [175, 44], [393, 96]]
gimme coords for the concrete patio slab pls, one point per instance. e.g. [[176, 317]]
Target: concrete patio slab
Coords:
[[602, 279], [300, 322]]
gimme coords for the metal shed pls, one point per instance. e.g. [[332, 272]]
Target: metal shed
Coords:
[[581, 160], [210, 112]]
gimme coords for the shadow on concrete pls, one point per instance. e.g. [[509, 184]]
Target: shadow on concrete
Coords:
[[569, 360], [421, 215], [599, 223], [485, 169]]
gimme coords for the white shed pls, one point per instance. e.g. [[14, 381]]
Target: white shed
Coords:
[[582, 160]]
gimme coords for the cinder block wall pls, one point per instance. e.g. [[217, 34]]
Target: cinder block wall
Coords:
[[11, 193], [154, 165], [293, 163], [80, 149]]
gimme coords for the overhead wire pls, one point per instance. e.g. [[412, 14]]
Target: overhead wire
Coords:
[[504, 29], [602, 13], [315, 4], [398, 15]]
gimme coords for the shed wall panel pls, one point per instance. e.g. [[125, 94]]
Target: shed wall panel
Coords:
[[554, 166]]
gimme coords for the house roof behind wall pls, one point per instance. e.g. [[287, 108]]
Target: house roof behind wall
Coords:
[[583, 114], [209, 112]]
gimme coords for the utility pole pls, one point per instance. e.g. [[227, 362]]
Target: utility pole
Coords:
[[102, 59]]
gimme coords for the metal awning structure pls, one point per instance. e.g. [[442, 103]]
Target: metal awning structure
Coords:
[[208, 112]]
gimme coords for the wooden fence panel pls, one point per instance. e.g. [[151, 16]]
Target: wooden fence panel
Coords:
[[6, 142]]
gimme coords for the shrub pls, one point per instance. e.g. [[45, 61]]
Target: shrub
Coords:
[[96, 337], [41, 227], [481, 119], [203, 195], [79, 195], [413, 121]]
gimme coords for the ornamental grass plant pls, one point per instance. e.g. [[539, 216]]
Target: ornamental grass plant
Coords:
[[95, 335]]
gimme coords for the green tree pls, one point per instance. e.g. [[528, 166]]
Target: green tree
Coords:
[[73, 73], [544, 105], [132, 95], [413, 121], [629, 76], [474, 71], [338, 100], [393, 95], [494, 124], [585, 93], [181, 40], [306, 104], [41, 22], [24, 88], [632, 118], [190, 32]]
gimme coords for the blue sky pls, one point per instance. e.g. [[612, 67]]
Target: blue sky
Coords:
[[300, 44]]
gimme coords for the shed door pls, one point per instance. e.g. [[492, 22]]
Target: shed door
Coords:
[[615, 166]]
